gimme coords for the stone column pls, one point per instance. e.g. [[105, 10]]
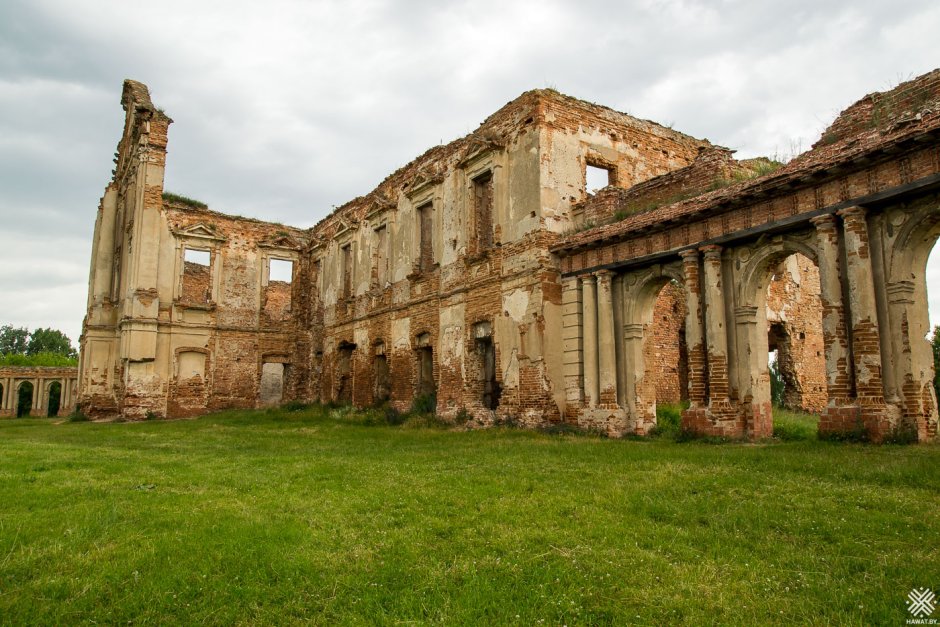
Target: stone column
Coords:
[[607, 349], [37, 397], [589, 314], [866, 342], [695, 342], [573, 334], [838, 372], [716, 328]]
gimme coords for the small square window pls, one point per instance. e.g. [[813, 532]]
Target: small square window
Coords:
[[596, 177]]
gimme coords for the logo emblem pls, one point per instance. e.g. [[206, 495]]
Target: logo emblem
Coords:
[[921, 603]]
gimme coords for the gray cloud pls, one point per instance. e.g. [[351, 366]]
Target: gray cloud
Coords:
[[286, 108]]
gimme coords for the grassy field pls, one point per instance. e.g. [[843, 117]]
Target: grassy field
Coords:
[[279, 517]]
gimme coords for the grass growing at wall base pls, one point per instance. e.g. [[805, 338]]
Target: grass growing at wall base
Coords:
[[311, 515]]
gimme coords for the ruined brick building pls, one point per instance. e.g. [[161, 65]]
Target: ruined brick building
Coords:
[[484, 275]]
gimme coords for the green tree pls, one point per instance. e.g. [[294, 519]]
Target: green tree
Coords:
[[13, 341], [50, 341]]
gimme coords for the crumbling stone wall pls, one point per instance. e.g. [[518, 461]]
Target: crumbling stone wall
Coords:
[[472, 276], [669, 351]]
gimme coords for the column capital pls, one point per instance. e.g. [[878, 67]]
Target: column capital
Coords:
[[852, 213], [587, 277], [689, 254], [825, 222], [712, 251]]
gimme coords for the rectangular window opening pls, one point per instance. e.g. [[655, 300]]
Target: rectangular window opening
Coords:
[[198, 257], [596, 177], [346, 254], [277, 294], [380, 257], [425, 230], [197, 277], [280, 270]]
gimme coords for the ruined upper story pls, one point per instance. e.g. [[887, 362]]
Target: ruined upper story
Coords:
[[519, 176], [871, 131], [491, 198]]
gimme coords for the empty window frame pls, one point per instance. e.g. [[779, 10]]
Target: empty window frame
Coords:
[[597, 177], [483, 211], [196, 286], [425, 233], [277, 292], [346, 260]]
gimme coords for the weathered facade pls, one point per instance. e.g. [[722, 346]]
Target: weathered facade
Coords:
[[485, 277]]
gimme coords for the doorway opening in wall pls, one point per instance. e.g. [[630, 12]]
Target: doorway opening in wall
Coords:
[[381, 389], [344, 373], [425, 399], [485, 357], [666, 377], [24, 399], [272, 383], [796, 363], [55, 399]]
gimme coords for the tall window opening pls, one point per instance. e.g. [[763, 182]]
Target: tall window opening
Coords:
[[346, 255], [483, 210], [277, 294], [425, 231], [380, 257]]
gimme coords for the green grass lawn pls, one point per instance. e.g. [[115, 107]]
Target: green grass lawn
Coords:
[[274, 517]]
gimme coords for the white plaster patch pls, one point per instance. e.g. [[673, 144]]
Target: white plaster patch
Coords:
[[401, 333], [516, 304]]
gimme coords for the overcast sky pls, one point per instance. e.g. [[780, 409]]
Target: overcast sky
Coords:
[[284, 109]]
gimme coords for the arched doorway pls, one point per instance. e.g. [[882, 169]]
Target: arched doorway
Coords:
[[54, 399], [24, 399], [651, 355], [779, 337], [912, 267]]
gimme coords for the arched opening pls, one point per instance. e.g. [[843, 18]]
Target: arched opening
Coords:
[[24, 399], [652, 357], [55, 399], [913, 267], [782, 335]]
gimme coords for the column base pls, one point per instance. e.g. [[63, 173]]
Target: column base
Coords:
[[719, 419], [866, 419]]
